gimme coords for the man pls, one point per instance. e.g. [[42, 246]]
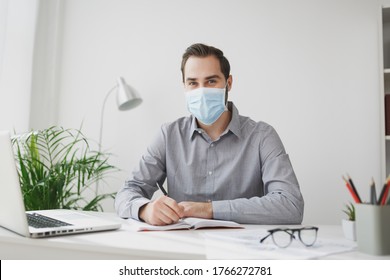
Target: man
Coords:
[[218, 164]]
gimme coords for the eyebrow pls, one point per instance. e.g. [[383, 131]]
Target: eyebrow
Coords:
[[207, 78], [213, 77]]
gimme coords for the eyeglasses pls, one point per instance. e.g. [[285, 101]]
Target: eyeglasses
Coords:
[[282, 237]]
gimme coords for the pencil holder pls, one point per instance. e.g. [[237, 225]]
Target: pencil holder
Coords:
[[373, 229]]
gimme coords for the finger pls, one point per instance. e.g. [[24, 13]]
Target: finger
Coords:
[[158, 218], [166, 219], [174, 206], [162, 213], [168, 215]]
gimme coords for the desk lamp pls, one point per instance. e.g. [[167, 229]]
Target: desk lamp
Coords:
[[127, 98]]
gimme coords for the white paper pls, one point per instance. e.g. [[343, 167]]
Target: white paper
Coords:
[[246, 245]]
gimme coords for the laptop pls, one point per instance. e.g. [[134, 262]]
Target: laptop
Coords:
[[42, 223]]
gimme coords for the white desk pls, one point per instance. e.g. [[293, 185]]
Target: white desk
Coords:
[[127, 243]]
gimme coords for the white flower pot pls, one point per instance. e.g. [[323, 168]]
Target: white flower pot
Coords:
[[349, 229]]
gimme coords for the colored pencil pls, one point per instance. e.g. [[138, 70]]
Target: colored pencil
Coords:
[[385, 191], [373, 199], [354, 189], [353, 193]]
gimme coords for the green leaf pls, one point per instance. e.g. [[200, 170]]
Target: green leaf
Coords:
[[56, 166], [350, 211]]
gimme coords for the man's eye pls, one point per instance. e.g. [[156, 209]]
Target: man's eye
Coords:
[[212, 82]]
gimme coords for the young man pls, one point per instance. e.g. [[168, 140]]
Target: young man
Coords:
[[218, 164]]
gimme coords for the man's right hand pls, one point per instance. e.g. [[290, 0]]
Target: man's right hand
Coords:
[[162, 211]]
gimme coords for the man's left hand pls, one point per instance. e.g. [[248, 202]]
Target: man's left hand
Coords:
[[197, 209]]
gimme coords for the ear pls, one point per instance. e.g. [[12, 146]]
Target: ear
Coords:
[[229, 82]]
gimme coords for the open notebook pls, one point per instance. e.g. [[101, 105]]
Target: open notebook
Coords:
[[37, 223], [191, 223]]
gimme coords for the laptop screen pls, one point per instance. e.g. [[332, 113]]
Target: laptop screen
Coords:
[[12, 210]]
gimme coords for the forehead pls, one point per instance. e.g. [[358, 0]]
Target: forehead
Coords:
[[201, 67]]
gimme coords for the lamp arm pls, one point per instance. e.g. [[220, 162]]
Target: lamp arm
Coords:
[[102, 116]]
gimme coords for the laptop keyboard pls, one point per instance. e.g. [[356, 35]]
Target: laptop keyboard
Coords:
[[39, 221]]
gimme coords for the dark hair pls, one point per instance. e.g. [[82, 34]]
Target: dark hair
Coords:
[[201, 50]]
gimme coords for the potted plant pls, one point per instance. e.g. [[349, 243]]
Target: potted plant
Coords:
[[57, 169], [349, 226]]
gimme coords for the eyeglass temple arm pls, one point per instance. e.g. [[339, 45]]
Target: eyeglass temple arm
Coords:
[[264, 238]]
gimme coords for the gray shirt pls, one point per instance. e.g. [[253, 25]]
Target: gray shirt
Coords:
[[246, 173]]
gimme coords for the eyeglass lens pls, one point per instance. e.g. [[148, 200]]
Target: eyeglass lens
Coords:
[[308, 236], [283, 237]]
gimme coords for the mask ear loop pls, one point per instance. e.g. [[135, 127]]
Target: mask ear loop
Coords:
[[226, 97]]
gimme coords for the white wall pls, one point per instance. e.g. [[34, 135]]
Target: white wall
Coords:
[[17, 37], [309, 68]]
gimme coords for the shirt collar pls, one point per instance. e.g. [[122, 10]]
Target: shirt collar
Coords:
[[194, 127], [233, 126]]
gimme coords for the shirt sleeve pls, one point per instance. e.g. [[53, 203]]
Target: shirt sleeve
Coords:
[[282, 203], [140, 187]]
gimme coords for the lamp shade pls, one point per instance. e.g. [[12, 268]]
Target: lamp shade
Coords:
[[127, 98]]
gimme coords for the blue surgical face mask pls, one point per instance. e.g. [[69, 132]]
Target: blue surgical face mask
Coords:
[[206, 104]]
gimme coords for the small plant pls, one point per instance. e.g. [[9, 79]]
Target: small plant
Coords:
[[57, 169], [350, 211]]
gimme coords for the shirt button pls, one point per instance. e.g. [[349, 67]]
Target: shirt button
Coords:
[[212, 145], [210, 172]]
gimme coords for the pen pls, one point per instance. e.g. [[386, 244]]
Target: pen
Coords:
[[349, 187], [373, 193], [162, 189]]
